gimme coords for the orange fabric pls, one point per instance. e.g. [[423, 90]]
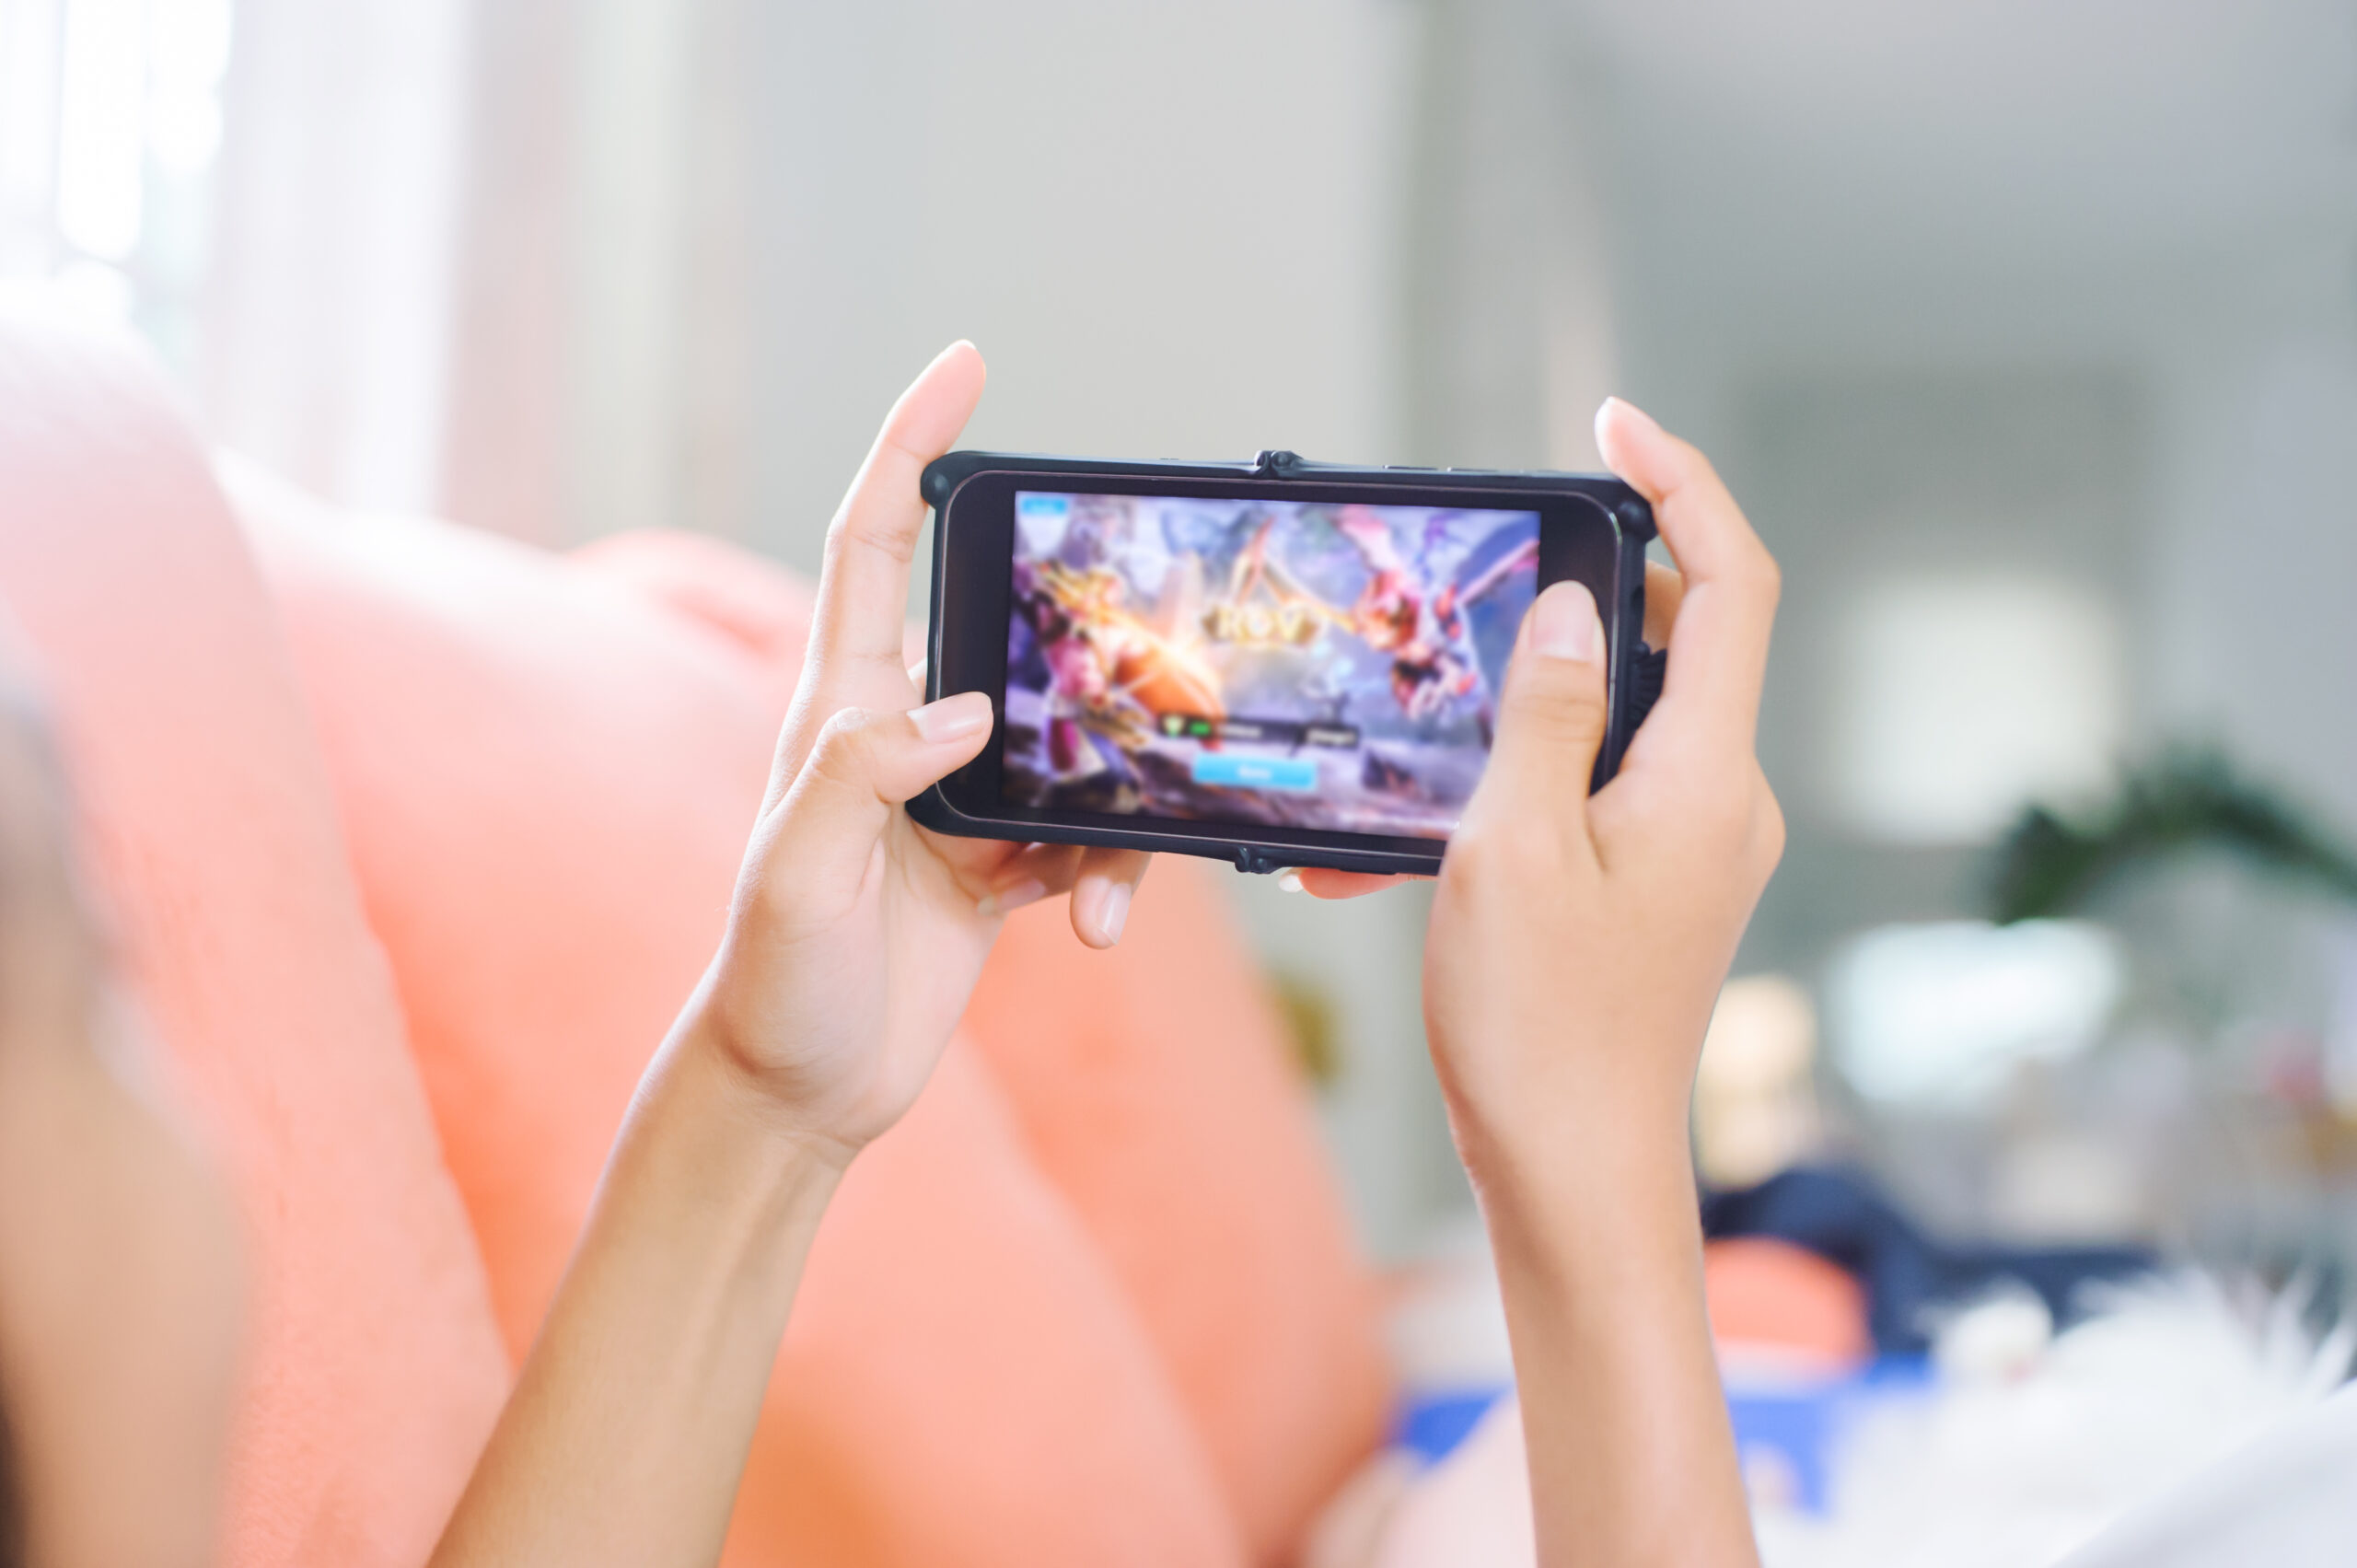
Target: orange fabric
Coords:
[[757, 608], [963, 1382], [374, 1371], [547, 783], [1153, 1087], [1768, 1295]]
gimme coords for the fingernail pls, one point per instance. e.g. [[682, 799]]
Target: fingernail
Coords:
[[952, 716], [1289, 881], [1644, 419], [1028, 891], [1563, 624], [1112, 912]]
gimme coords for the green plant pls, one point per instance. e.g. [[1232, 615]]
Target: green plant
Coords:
[[2189, 797]]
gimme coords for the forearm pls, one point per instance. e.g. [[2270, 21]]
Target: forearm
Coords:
[[627, 1432], [1599, 1254]]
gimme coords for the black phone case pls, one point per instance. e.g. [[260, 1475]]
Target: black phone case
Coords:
[[1633, 671]]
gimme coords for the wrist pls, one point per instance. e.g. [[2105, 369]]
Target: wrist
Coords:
[[1582, 1193], [744, 1090], [700, 1099], [1578, 1118]]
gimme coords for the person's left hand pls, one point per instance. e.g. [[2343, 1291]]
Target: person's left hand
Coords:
[[856, 936]]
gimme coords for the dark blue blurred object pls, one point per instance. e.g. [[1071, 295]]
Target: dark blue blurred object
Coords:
[[1792, 1422], [1800, 1421], [1434, 1426], [1842, 1217]]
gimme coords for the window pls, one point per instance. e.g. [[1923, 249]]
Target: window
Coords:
[[1940, 1014], [109, 124], [1959, 699]]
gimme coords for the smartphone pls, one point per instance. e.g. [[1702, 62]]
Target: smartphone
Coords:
[[1276, 662]]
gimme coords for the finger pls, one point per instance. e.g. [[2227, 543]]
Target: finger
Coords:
[[864, 586], [1101, 881], [1038, 872], [1728, 600], [1323, 882], [1550, 714], [857, 631], [1100, 897], [1664, 591], [865, 764]]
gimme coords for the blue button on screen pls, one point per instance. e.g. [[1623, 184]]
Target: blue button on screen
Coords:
[[1255, 772]]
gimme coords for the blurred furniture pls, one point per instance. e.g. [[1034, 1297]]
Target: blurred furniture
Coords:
[[415, 839]]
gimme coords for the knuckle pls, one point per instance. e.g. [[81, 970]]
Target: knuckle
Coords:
[[1698, 465], [1471, 855], [1720, 822], [844, 725], [770, 904], [839, 532], [1566, 706], [1724, 833], [1477, 842], [845, 743], [1481, 860], [1755, 574], [847, 530]]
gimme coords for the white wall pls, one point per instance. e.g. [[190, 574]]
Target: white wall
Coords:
[[2003, 283], [1170, 230]]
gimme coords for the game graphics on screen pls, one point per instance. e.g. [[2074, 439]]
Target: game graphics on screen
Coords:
[[1302, 664]]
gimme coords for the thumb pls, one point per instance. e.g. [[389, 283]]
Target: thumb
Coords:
[[1551, 714], [863, 766]]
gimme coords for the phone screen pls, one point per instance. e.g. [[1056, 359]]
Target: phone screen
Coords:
[[1293, 663]]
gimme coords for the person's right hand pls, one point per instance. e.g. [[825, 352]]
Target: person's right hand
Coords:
[[1578, 943]]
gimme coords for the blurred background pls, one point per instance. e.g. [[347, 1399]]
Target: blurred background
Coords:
[[2026, 333]]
